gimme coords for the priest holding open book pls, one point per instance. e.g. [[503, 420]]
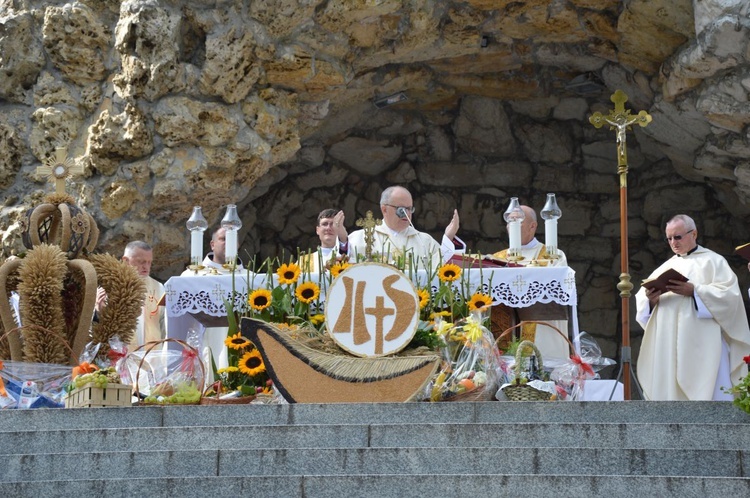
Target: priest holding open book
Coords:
[[696, 328]]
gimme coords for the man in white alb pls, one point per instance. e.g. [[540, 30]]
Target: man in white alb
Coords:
[[150, 325], [397, 238], [330, 230], [696, 332]]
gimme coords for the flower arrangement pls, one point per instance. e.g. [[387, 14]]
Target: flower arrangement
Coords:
[[246, 374], [741, 391]]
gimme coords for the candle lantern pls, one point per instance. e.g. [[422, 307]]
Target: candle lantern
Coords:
[[197, 225], [514, 217], [231, 224], [551, 213]]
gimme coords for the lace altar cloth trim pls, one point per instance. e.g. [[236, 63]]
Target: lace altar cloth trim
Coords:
[[514, 287]]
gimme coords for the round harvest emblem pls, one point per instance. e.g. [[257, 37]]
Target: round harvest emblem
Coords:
[[372, 309]]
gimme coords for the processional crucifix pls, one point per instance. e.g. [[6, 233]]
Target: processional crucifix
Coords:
[[368, 224], [620, 120]]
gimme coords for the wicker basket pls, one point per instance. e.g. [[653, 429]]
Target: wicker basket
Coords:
[[150, 346], [216, 400], [524, 392]]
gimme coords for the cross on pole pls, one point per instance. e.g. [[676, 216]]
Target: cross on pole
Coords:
[[59, 169], [620, 120]]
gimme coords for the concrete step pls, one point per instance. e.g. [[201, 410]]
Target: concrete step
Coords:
[[375, 461], [376, 413], [412, 486], [561, 435]]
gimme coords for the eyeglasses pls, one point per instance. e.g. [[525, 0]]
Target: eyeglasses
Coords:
[[677, 237], [410, 208]]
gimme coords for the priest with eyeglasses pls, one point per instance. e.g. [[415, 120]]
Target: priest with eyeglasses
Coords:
[[696, 331], [396, 238]]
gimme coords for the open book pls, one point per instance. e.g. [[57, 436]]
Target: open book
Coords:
[[743, 250], [662, 280]]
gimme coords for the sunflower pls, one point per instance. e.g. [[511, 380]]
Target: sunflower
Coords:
[[338, 268], [307, 292], [260, 299], [424, 297], [441, 314], [227, 370], [236, 341], [449, 272], [479, 301], [252, 364], [317, 319], [288, 273]]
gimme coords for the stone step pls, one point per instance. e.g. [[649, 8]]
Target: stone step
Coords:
[[375, 461], [411, 486], [504, 435], [376, 413]]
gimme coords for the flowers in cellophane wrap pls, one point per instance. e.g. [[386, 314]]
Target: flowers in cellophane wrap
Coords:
[[469, 359], [741, 391]]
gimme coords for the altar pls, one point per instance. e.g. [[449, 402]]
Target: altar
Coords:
[[196, 302]]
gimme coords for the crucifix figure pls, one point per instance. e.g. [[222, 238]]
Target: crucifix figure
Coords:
[[620, 120], [368, 224], [59, 168]]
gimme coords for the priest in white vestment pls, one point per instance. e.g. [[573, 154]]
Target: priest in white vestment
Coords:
[[696, 332], [550, 343], [397, 239], [150, 325]]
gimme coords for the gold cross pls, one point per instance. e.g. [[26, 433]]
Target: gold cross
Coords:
[[368, 224], [59, 168], [620, 119]]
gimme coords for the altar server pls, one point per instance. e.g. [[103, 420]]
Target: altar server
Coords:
[[696, 333]]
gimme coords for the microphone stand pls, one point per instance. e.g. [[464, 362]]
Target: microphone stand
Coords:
[[402, 213]]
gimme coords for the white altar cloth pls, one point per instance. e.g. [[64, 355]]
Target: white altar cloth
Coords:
[[194, 302]]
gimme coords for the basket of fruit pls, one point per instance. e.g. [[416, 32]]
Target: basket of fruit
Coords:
[[100, 388], [168, 376]]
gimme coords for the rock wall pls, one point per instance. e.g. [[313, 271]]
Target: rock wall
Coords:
[[270, 105]]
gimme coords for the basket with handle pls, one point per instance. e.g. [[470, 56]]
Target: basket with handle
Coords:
[[517, 391], [188, 352]]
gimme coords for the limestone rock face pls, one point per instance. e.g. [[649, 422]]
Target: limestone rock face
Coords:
[[287, 107]]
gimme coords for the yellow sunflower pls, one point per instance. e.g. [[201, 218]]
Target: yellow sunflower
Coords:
[[436, 314], [479, 301], [449, 272], [307, 292], [251, 363], [317, 319], [288, 273], [236, 341], [424, 297], [338, 268], [260, 299], [227, 370]]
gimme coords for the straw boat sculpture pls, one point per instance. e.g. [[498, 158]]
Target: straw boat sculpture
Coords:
[[306, 375]]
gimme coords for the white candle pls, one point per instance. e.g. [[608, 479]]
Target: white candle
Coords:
[[514, 235], [550, 235], [196, 247], [231, 246]]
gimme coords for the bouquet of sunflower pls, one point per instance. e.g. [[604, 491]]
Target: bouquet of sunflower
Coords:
[[246, 373], [293, 302]]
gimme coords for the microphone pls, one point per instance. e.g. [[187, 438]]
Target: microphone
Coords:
[[403, 213]]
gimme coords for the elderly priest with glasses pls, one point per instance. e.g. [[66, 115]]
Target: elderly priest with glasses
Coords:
[[397, 238], [696, 331]]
